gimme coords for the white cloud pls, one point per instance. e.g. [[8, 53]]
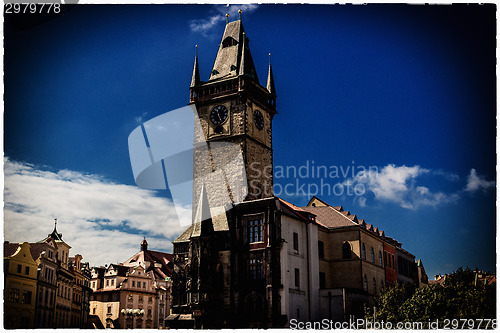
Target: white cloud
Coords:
[[218, 15], [103, 221], [476, 182], [398, 184]]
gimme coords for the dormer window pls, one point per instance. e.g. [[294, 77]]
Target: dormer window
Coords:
[[229, 41]]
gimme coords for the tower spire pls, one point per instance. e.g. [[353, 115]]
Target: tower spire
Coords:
[[195, 80], [227, 18], [270, 78], [239, 11]]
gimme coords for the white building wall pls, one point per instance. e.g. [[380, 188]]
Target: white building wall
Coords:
[[300, 303]]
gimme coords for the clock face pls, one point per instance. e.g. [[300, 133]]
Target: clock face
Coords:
[[218, 115], [258, 119]]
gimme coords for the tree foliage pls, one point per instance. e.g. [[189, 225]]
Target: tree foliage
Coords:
[[456, 298]]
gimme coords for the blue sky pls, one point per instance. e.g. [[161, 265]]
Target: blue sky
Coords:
[[407, 90]]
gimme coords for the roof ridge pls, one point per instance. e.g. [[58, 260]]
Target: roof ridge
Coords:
[[341, 214]]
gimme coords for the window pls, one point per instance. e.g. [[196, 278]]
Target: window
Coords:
[[296, 241], [151, 298], [256, 269], [107, 283], [14, 295], [109, 309], [27, 270], [393, 265], [346, 250], [133, 283], [26, 297], [385, 258], [364, 252], [149, 312], [365, 283], [19, 268], [322, 280], [144, 284], [141, 299], [255, 230], [229, 41], [380, 258], [374, 286], [373, 255], [297, 278], [112, 282], [93, 310], [321, 250]]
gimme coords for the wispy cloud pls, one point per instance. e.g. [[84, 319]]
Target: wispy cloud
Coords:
[[476, 182], [101, 220], [218, 15], [403, 185]]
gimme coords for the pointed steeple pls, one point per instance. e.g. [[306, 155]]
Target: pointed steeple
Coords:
[[270, 78], [203, 225], [55, 235], [144, 245], [195, 80], [233, 58]]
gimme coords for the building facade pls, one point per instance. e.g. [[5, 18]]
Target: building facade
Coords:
[[133, 294], [20, 278]]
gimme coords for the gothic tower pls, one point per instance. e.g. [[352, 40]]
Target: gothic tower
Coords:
[[234, 111]]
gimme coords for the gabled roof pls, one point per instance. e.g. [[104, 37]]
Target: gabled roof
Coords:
[[330, 217], [9, 249], [160, 263]]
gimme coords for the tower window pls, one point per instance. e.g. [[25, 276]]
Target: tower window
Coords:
[[255, 230], [229, 41], [256, 269]]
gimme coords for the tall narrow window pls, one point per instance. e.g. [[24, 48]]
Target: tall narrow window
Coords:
[[385, 258], [322, 280], [346, 250], [255, 230], [393, 264], [296, 241], [380, 258], [27, 270], [321, 250], [19, 268], [364, 252], [365, 283], [373, 255], [297, 278]]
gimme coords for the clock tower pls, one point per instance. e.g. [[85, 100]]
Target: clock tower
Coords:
[[235, 113]]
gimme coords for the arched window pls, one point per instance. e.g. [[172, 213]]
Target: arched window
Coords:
[[380, 258], [346, 250], [364, 252], [373, 256], [365, 283]]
